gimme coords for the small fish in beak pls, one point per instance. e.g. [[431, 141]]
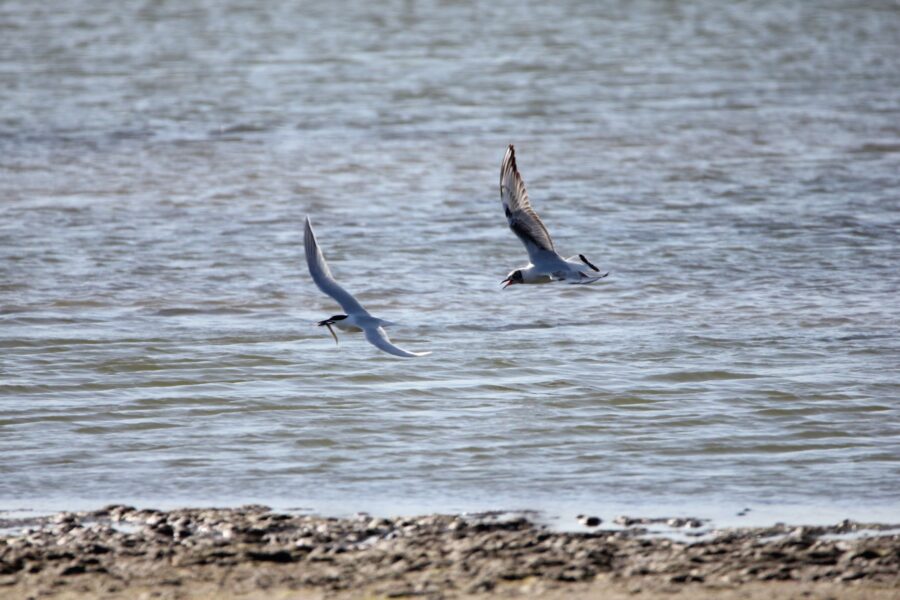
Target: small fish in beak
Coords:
[[327, 323]]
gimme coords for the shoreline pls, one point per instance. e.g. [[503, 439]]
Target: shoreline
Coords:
[[253, 552], [553, 513]]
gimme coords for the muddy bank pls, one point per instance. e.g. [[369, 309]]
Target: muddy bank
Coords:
[[252, 551]]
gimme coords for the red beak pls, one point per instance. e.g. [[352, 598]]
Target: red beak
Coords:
[[507, 281]]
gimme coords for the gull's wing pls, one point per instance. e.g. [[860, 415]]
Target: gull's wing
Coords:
[[522, 219], [321, 274], [378, 338]]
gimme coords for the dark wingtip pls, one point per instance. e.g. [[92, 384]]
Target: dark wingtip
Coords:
[[509, 164], [510, 159]]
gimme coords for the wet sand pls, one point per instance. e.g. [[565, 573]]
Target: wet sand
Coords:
[[252, 552]]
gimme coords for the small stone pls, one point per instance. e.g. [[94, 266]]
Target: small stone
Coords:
[[589, 521], [276, 556], [73, 569], [456, 525], [65, 518]]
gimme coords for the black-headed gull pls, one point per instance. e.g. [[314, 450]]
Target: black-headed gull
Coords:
[[546, 264], [357, 318]]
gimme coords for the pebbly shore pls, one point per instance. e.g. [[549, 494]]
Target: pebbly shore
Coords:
[[109, 551]]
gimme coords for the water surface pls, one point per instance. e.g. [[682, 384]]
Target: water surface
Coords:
[[734, 166]]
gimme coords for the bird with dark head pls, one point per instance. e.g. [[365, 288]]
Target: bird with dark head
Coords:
[[546, 263], [356, 318], [514, 277]]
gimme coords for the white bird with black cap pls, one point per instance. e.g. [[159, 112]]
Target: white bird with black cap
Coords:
[[356, 318], [546, 264]]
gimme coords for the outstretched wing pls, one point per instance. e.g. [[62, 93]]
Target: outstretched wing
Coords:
[[378, 337], [321, 274], [521, 217]]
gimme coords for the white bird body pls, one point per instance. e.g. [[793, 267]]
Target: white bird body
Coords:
[[570, 269], [357, 317], [546, 264]]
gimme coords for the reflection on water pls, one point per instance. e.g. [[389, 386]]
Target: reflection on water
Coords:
[[735, 167]]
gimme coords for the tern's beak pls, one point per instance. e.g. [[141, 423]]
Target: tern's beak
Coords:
[[507, 281]]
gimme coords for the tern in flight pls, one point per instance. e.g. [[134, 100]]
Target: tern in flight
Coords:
[[357, 318], [546, 264]]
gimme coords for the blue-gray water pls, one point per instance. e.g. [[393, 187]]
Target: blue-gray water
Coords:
[[735, 166]]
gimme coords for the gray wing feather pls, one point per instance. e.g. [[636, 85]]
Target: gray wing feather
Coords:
[[521, 217], [378, 337], [322, 276]]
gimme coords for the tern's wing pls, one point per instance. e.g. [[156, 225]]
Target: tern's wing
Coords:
[[321, 274], [378, 337], [522, 219]]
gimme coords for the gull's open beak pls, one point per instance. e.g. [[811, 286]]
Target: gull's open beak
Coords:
[[507, 281]]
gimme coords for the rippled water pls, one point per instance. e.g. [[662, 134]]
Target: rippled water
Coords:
[[735, 167]]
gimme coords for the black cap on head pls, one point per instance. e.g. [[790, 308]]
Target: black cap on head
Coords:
[[332, 319]]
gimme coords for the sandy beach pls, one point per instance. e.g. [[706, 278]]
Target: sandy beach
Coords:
[[253, 552]]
